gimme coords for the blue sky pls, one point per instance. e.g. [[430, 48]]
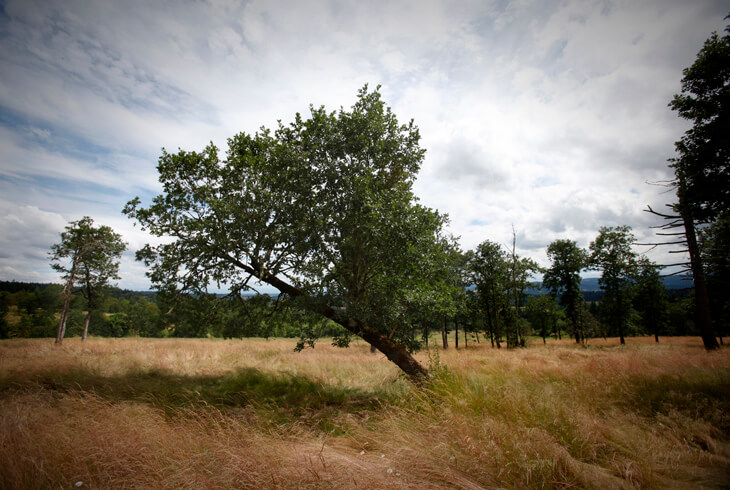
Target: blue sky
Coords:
[[546, 116]]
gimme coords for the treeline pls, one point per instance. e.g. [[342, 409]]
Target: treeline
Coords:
[[32, 310]]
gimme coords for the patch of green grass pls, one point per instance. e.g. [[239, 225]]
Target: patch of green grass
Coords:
[[701, 395], [277, 397]]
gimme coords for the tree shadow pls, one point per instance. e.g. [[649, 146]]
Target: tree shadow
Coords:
[[286, 393]]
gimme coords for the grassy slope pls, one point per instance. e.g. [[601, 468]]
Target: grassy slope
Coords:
[[169, 413]]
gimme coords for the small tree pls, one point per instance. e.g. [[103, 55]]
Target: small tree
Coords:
[[612, 254], [88, 257]]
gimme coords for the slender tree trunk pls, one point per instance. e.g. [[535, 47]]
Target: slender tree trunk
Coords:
[[702, 301], [66, 305], [574, 321], [86, 326], [444, 334], [456, 333]]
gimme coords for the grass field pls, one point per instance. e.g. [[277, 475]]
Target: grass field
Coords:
[[144, 413]]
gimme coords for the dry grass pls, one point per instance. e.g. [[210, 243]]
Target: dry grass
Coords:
[[141, 413]]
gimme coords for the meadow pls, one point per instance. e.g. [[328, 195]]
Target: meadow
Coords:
[[206, 413]]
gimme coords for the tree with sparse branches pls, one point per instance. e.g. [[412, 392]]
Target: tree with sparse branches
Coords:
[[87, 256], [702, 165], [321, 209]]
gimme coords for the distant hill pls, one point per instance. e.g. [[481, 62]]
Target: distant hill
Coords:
[[591, 290], [114, 292], [671, 283]]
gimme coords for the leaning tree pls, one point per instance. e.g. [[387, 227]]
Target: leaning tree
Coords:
[[321, 209], [702, 165]]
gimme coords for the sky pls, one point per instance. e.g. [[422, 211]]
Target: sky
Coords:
[[546, 117]]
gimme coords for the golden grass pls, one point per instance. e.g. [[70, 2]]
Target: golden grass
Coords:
[[199, 413]]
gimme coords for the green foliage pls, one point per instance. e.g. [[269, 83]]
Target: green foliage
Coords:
[[543, 314], [702, 168]]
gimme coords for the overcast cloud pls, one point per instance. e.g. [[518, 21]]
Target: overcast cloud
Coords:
[[546, 116]]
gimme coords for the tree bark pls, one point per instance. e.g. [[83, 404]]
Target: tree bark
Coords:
[[444, 334], [66, 305], [702, 301], [456, 334], [86, 326]]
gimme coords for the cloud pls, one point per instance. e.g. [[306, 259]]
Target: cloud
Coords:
[[548, 116]]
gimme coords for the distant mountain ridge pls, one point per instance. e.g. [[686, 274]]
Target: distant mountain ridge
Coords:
[[591, 289], [671, 282]]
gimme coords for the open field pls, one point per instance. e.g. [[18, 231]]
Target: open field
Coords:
[[144, 413]]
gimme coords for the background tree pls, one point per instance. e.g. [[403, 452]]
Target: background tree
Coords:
[[612, 254], [489, 272], [542, 313], [87, 256], [99, 266], [521, 270], [321, 210], [715, 251], [563, 278], [650, 298]]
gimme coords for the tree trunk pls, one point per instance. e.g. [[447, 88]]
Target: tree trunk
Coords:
[[394, 351], [456, 334], [702, 301], [64, 313], [574, 321], [86, 326], [444, 334]]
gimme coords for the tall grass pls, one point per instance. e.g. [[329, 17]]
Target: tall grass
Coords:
[[143, 413]]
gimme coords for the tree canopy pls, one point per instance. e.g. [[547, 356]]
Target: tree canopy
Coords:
[[612, 254], [702, 167], [563, 278], [320, 209]]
